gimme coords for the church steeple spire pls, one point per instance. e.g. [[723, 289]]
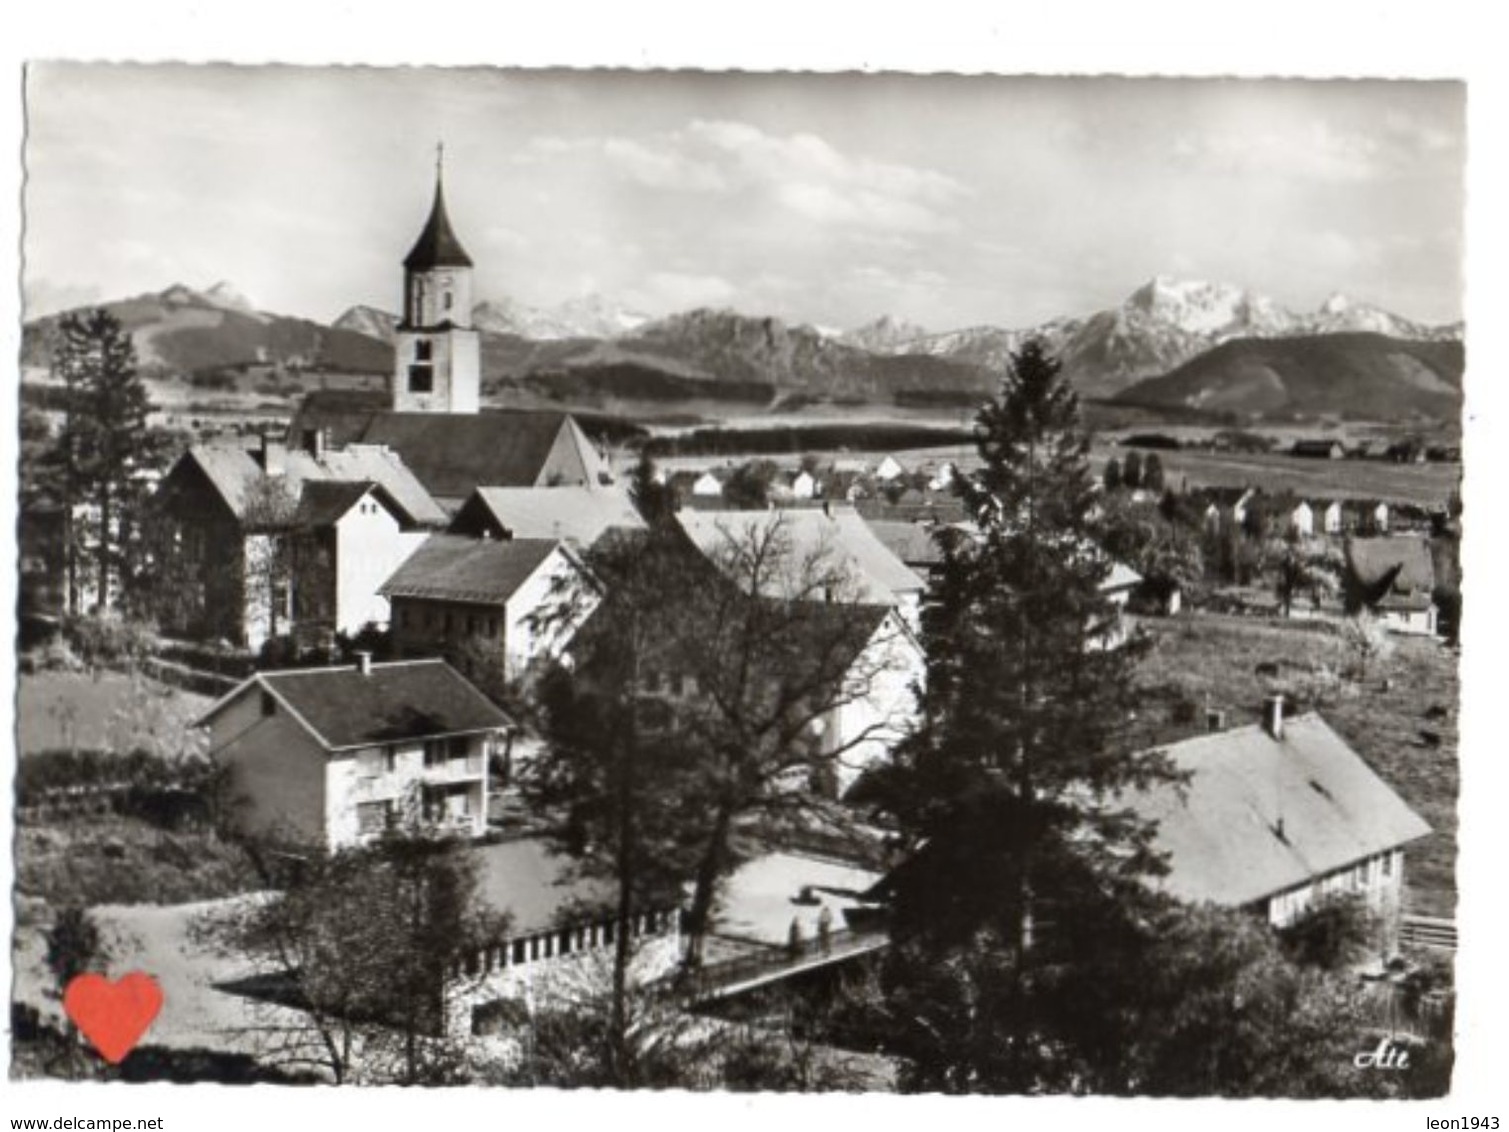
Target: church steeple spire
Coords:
[[437, 245], [437, 364]]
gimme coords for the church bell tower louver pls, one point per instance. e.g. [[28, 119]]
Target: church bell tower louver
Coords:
[[438, 359]]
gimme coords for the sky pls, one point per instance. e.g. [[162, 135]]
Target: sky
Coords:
[[945, 201]]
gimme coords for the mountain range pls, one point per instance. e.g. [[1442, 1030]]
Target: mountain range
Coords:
[[591, 350]]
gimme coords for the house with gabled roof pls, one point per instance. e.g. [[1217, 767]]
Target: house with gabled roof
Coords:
[[817, 554], [335, 756], [223, 512], [504, 602], [1395, 578], [1277, 816], [578, 515]]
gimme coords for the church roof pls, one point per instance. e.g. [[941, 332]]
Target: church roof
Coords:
[[454, 453], [437, 245]]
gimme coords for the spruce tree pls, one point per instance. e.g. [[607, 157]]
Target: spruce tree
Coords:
[[1007, 794], [104, 423]]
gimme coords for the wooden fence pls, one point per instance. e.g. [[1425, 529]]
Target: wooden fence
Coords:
[[1428, 932]]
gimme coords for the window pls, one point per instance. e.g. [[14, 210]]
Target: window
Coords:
[[424, 350], [518, 951], [1388, 865], [563, 947], [373, 817], [421, 379], [445, 300]]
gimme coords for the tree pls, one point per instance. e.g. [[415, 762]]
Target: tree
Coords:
[[1132, 470], [73, 946], [1006, 795], [654, 499], [1112, 479], [1367, 641], [1303, 568], [359, 942], [1152, 472], [268, 522], [707, 684], [748, 486], [105, 419], [611, 777]]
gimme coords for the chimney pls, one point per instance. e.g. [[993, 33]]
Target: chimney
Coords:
[[270, 455], [364, 663], [1273, 716], [1215, 720]]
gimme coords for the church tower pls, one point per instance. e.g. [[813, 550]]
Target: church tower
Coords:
[[438, 363]]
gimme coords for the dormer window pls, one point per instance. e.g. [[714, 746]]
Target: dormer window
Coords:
[[424, 350]]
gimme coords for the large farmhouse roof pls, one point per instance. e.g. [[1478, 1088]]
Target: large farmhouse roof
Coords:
[[481, 571], [579, 514], [913, 543], [234, 471], [454, 453], [344, 707], [1398, 565], [808, 543], [1261, 815]]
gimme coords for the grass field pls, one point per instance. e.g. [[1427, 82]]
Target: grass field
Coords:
[[1210, 659], [107, 711]]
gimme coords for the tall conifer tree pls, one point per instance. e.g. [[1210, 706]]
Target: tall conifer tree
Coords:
[[1007, 793]]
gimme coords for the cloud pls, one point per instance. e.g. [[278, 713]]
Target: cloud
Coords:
[[43, 297], [798, 174], [674, 290]]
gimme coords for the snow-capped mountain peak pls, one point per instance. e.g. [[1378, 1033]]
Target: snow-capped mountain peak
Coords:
[[884, 334], [224, 295]]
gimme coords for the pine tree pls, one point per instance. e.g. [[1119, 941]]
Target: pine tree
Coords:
[[1113, 474], [1008, 791], [105, 419]]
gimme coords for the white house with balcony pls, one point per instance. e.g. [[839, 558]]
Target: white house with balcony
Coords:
[[335, 756]]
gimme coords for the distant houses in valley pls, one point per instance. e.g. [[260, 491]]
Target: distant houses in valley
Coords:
[[335, 756]]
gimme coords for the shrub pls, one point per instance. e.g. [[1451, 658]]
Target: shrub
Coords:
[[110, 638]]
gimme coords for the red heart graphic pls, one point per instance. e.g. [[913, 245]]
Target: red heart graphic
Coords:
[[113, 1016]]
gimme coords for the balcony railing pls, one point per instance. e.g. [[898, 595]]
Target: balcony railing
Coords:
[[453, 770]]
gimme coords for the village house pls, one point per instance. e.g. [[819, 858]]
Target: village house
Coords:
[[819, 554], [1277, 816], [1319, 449], [347, 537], [224, 515], [494, 606], [889, 469], [578, 515], [334, 756], [1395, 578], [707, 486], [1301, 520], [804, 485], [1331, 518]]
